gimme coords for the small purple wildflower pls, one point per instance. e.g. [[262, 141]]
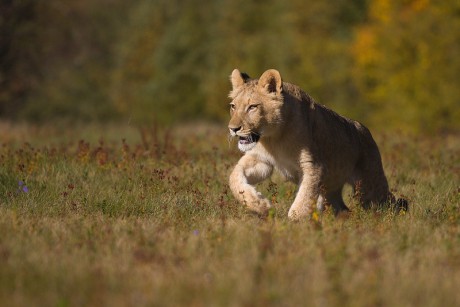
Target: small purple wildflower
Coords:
[[196, 232], [22, 187]]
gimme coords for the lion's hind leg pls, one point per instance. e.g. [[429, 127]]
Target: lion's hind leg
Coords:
[[249, 171], [371, 190], [378, 197]]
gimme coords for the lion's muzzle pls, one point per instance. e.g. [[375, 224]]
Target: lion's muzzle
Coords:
[[248, 142]]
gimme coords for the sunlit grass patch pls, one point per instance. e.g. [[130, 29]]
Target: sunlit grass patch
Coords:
[[149, 220]]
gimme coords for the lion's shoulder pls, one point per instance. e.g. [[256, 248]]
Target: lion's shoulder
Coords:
[[296, 92]]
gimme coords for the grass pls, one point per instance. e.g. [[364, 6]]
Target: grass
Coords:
[[117, 216]]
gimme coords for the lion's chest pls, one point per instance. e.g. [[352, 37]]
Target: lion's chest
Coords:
[[284, 162], [288, 167], [289, 173]]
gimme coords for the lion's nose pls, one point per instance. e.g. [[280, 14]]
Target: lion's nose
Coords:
[[234, 130]]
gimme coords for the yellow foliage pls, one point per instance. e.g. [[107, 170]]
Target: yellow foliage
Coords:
[[419, 5], [381, 10], [315, 216], [405, 64], [364, 47]]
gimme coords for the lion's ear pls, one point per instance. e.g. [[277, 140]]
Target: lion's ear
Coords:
[[271, 81], [238, 78]]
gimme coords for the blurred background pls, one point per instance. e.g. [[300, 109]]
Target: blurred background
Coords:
[[391, 64]]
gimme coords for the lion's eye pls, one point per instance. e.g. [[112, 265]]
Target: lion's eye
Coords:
[[232, 106], [252, 107]]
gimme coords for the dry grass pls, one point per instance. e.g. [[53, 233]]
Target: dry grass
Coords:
[[87, 219]]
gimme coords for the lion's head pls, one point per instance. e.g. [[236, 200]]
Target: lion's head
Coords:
[[255, 108]]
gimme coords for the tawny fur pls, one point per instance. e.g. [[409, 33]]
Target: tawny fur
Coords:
[[306, 142]]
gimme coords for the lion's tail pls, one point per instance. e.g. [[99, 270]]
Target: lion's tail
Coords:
[[401, 204]]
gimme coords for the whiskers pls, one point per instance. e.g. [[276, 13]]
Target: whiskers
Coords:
[[230, 139]]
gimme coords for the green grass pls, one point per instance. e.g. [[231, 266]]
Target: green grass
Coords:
[[149, 221]]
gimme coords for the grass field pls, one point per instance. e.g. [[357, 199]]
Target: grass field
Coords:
[[116, 216]]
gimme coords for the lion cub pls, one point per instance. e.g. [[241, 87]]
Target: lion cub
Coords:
[[279, 126]]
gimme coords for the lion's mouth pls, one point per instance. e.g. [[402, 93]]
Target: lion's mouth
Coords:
[[251, 138]]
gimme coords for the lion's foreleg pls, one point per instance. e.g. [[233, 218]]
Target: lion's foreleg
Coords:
[[247, 172], [307, 197]]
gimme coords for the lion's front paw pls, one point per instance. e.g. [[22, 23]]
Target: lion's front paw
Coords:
[[260, 206], [299, 213]]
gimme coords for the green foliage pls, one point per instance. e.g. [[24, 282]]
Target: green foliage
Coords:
[[149, 220], [388, 63], [18, 55], [57, 55]]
